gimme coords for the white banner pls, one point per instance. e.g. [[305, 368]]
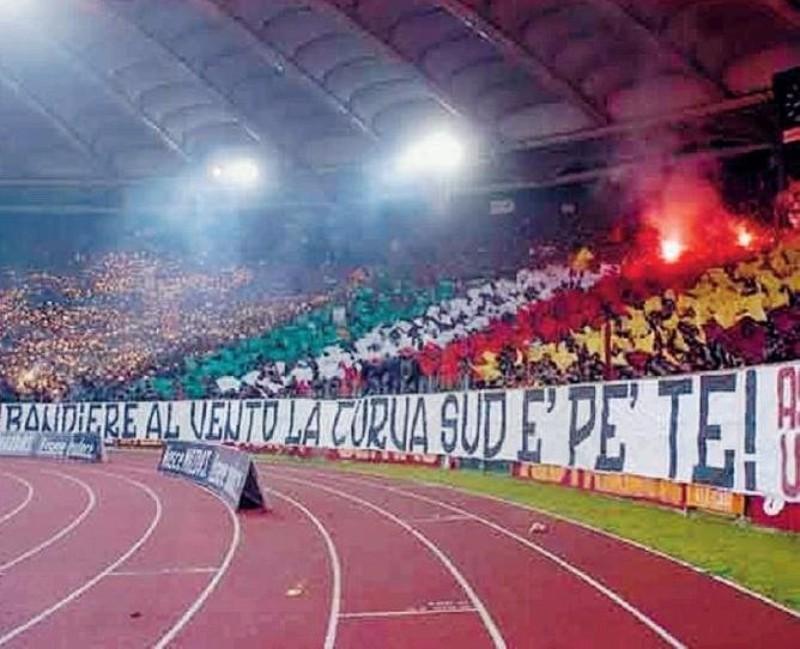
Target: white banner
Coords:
[[737, 430]]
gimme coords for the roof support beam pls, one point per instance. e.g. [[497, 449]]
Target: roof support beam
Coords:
[[350, 20], [253, 131], [514, 52], [612, 171], [188, 69], [17, 88], [272, 57], [157, 210], [779, 9], [690, 113], [660, 43], [114, 92]]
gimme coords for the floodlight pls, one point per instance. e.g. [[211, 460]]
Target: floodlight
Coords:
[[439, 153], [243, 172], [236, 172]]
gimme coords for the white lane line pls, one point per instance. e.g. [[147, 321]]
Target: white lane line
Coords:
[[433, 486], [75, 594], [409, 613], [190, 612], [486, 618], [574, 570], [336, 569], [28, 496], [236, 536], [90, 504], [597, 530], [162, 571], [438, 519]]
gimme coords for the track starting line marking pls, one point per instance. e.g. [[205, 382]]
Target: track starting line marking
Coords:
[[429, 608], [163, 571], [411, 612], [439, 519]]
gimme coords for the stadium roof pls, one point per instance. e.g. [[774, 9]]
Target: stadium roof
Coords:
[[124, 89]]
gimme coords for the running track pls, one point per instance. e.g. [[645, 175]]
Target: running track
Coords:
[[118, 555]]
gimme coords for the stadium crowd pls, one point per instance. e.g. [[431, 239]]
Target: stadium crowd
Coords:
[[90, 334], [567, 308], [561, 325]]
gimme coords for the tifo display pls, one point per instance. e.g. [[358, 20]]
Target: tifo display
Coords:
[[357, 324]]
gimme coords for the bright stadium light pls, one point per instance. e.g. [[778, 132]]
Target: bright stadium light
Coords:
[[440, 153], [236, 172], [243, 172]]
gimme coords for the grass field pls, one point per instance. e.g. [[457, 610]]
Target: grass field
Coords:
[[762, 560]]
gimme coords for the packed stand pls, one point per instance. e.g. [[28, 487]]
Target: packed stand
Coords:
[[92, 334], [577, 322], [381, 359], [425, 314]]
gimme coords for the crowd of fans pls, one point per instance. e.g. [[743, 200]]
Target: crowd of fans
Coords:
[[562, 324], [144, 326], [91, 334], [396, 354]]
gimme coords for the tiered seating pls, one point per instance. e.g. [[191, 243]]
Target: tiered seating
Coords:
[[406, 333], [88, 333], [196, 334], [284, 354], [744, 314], [557, 326]]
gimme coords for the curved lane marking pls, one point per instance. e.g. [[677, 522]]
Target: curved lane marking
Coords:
[[75, 594], [574, 570], [571, 521], [236, 536], [621, 539], [90, 504], [486, 618], [336, 570], [28, 496]]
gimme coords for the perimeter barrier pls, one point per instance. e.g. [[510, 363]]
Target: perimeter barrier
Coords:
[[87, 447], [226, 471]]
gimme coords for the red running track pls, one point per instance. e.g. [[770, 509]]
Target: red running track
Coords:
[[121, 556], [15, 495]]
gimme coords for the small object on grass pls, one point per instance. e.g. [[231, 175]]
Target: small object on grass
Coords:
[[135, 614], [537, 528]]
